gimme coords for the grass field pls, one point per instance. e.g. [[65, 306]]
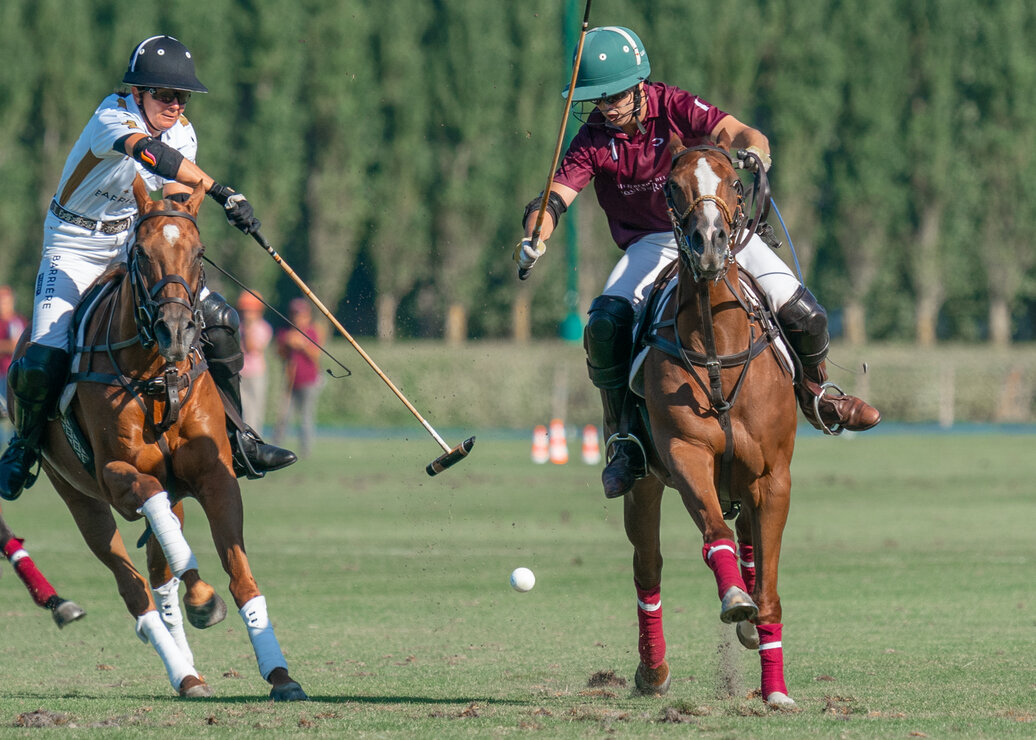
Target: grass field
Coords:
[[906, 584]]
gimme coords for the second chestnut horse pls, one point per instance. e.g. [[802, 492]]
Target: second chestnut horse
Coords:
[[722, 416]]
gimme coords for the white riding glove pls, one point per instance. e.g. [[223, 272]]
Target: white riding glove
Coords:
[[525, 255], [750, 163]]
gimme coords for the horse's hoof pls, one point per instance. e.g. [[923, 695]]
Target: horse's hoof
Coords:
[[290, 691], [747, 635], [780, 700], [67, 612], [653, 681], [737, 606], [193, 687], [211, 612]]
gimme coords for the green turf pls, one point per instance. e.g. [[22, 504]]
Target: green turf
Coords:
[[906, 586]]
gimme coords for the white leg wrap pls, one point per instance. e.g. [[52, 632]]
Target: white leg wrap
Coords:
[[167, 599], [260, 632], [166, 528], [151, 628]]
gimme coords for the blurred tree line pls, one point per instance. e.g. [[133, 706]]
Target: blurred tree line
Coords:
[[390, 147]]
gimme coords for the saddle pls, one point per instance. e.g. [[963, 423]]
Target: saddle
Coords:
[[652, 331]]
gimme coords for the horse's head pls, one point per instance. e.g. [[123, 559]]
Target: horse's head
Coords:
[[165, 270], [705, 199]]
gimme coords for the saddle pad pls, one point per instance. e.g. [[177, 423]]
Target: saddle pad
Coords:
[[80, 321], [636, 378]]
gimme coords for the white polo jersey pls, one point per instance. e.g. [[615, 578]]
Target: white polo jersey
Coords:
[[97, 182]]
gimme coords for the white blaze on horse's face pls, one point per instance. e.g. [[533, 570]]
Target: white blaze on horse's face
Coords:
[[708, 184], [171, 233]]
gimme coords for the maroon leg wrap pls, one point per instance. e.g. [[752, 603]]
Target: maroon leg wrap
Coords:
[[771, 659], [719, 556], [38, 586], [649, 615], [746, 559]]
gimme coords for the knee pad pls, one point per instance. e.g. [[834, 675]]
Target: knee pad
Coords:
[[39, 375], [804, 322], [220, 336], [608, 340]]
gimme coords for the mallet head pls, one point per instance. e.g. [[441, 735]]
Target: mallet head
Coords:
[[451, 458]]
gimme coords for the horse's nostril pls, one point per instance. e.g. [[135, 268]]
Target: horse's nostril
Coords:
[[162, 331]]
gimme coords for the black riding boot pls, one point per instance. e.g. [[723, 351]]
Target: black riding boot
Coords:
[[36, 380], [222, 346], [804, 322], [608, 341]]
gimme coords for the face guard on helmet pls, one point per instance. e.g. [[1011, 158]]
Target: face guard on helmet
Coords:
[[162, 62]]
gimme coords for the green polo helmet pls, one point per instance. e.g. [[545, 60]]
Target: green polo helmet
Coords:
[[613, 60]]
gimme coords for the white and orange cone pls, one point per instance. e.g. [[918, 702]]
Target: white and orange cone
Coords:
[[558, 444], [540, 453], [591, 445]]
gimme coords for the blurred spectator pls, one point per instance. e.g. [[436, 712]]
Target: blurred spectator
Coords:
[[256, 334], [11, 327], [301, 373]]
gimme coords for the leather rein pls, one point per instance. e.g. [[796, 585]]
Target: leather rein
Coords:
[[169, 382]]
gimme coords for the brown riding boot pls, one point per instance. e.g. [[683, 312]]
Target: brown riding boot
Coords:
[[832, 412]]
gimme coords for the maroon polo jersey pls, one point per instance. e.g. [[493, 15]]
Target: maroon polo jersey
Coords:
[[629, 173]]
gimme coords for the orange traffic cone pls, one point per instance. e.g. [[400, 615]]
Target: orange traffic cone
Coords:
[[591, 445], [558, 445], [540, 455]]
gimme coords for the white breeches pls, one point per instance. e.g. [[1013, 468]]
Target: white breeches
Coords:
[[72, 259], [645, 258]]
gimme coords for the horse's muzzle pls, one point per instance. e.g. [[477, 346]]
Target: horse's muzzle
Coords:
[[175, 332]]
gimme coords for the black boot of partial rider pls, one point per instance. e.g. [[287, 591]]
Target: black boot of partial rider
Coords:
[[222, 347], [36, 380]]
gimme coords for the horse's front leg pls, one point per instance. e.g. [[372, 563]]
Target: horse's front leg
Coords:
[[220, 497], [97, 525], [642, 515], [770, 516], [165, 589], [692, 466], [747, 634]]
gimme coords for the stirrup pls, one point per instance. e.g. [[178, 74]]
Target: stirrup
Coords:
[[641, 471], [835, 429], [242, 465]]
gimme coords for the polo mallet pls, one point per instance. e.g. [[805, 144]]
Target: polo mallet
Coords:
[[450, 457], [523, 273]]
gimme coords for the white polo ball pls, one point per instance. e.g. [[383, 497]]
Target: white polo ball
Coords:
[[522, 579]]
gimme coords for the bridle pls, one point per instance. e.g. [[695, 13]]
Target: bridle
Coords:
[[736, 218], [146, 300]]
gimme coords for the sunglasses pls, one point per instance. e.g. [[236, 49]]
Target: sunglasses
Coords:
[[611, 99], [167, 97]]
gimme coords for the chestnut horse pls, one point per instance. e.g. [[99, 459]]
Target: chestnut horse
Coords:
[[722, 415], [155, 423]]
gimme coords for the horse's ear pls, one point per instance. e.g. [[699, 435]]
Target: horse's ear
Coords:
[[723, 141], [675, 144], [194, 202], [142, 196]]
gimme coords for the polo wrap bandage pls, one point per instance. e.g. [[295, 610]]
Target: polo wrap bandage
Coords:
[[166, 528], [151, 628], [264, 642]]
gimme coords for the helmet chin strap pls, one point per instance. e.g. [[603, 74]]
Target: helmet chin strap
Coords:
[[153, 130], [636, 109]]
